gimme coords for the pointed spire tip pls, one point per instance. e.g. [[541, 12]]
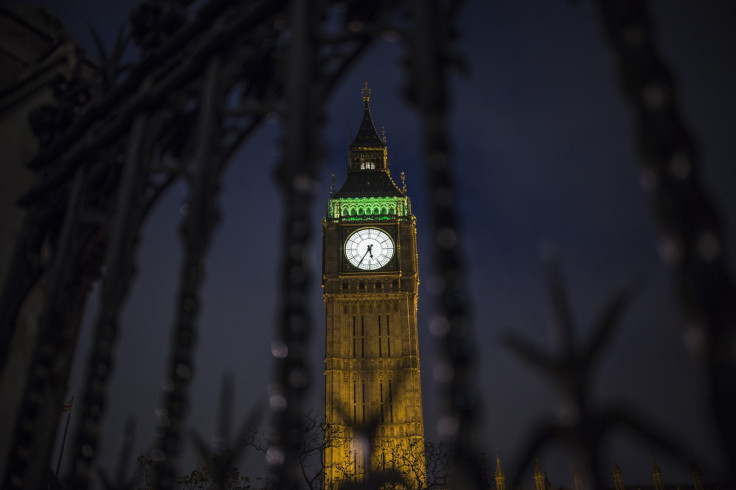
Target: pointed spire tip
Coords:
[[366, 92]]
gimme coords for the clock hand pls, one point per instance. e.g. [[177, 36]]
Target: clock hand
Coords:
[[366, 253]]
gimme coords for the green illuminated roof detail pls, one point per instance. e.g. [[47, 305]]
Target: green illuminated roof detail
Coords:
[[368, 208]]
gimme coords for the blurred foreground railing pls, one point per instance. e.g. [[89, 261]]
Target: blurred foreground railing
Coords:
[[203, 82]]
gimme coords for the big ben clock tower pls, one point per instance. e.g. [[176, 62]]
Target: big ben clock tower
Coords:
[[370, 283]]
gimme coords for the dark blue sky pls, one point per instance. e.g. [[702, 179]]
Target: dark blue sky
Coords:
[[544, 153]]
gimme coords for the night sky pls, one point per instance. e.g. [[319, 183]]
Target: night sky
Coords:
[[544, 154]]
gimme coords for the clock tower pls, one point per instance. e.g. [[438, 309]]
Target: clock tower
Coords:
[[370, 284]]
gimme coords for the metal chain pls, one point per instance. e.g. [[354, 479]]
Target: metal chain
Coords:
[[202, 216], [120, 262], [296, 176]]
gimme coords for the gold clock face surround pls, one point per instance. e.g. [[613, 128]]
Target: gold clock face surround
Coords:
[[369, 248]]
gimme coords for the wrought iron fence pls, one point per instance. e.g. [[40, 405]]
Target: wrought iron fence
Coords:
[[204, 80]]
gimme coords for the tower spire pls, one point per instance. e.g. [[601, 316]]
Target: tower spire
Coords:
[[367, 138], [577, 480], [618, 478], [657, 475], [499, 476], [366, 93], [539, 477], [695, 473], [368, 173]]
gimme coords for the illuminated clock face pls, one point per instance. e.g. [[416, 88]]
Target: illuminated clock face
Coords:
[[369, 249]]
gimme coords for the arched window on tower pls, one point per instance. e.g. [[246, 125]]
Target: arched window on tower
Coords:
[[363, 403], [390, 403], [388, 336], [380, 338], [362, 336], [380, 389]]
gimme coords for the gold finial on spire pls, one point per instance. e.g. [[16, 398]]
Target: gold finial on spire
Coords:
[[366, 93], [383, 134], [332, 185], [403, 182]]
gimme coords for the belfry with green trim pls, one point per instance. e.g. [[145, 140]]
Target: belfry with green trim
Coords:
[[373, 400]]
